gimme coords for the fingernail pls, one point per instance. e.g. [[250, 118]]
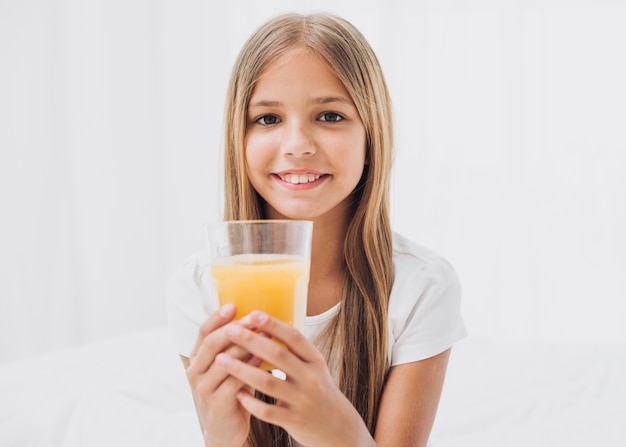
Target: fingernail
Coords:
[[226, 309], [221, 359], [233, 330], [259, 317]]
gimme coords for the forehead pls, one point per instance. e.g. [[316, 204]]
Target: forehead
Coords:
[[296, 71]]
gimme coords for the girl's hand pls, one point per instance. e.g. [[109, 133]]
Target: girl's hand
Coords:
[[309, 405], [224, 421]]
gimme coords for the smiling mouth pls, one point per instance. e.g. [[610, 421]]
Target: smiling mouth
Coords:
[[298, 179]]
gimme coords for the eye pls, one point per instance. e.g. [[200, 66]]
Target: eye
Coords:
[[331, 117], [268, 120]]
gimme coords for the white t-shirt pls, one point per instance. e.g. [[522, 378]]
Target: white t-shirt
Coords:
[[424, 305]]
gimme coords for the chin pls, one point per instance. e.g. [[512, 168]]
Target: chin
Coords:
[[291, 214], [306, 210], [297, 216]]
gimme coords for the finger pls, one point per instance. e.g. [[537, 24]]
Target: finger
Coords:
[[217, 319], [253, 377], [271, 351], [211, 341], [201, 360], [270, 413], [222, 385], [290, 336]]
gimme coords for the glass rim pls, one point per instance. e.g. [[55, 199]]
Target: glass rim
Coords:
[[257, 222]]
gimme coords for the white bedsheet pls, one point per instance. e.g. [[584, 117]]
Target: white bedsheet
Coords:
[[534, 394], [131, 391]]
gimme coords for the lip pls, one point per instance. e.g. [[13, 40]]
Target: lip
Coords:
[[298, 172], [314, 178]]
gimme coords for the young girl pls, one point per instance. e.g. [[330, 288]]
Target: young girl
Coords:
[[309, 136]]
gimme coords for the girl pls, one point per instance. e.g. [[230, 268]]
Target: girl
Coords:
[[309, 136]]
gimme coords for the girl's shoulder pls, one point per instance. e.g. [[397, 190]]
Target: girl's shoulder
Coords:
[[420, 275], [410, 258], [424, 304]]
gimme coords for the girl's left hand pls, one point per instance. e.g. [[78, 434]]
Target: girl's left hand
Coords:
[[309, 406]]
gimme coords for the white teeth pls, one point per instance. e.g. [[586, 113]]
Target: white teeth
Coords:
[[298, 179]]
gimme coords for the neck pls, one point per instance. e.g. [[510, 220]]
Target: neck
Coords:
[[326, 251], [327, 274]]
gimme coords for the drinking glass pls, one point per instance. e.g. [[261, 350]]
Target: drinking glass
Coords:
[[262, 265]]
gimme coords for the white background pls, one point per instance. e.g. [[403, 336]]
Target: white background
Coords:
[[511, 125]]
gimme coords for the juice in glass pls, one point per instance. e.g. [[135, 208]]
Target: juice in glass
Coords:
[[262, 265], [276, 284]]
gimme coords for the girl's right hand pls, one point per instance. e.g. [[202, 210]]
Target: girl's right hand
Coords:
[[224, 421]]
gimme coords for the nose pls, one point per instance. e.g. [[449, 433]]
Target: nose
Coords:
[[298, 140]]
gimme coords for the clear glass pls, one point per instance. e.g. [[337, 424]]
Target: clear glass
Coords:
[[262, 265]]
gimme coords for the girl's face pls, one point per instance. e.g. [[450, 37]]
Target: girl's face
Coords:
[[305, 142]]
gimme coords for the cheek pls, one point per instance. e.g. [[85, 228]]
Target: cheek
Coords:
[[258, 161], [253, 153], [354, 148], [254, 172], [258, 148]]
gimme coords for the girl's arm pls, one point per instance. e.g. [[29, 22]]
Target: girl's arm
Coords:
[[409, 402]]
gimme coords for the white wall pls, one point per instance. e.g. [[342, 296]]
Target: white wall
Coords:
[[510, 155]]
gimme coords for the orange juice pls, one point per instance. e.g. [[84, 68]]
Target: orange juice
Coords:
[[275, 284]]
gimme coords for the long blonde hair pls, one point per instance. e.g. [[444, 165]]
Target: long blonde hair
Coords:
[[360, 330]]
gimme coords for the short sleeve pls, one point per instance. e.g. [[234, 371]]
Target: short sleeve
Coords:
[[189, 303], [424, 307]]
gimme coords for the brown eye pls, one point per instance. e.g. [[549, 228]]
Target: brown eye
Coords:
[[331, 117], [268, 120]]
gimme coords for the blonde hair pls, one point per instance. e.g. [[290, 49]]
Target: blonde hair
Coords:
[[360, 330]]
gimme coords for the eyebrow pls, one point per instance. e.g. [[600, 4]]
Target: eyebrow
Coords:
[[319, 100], [265, 103], [330, 99]]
